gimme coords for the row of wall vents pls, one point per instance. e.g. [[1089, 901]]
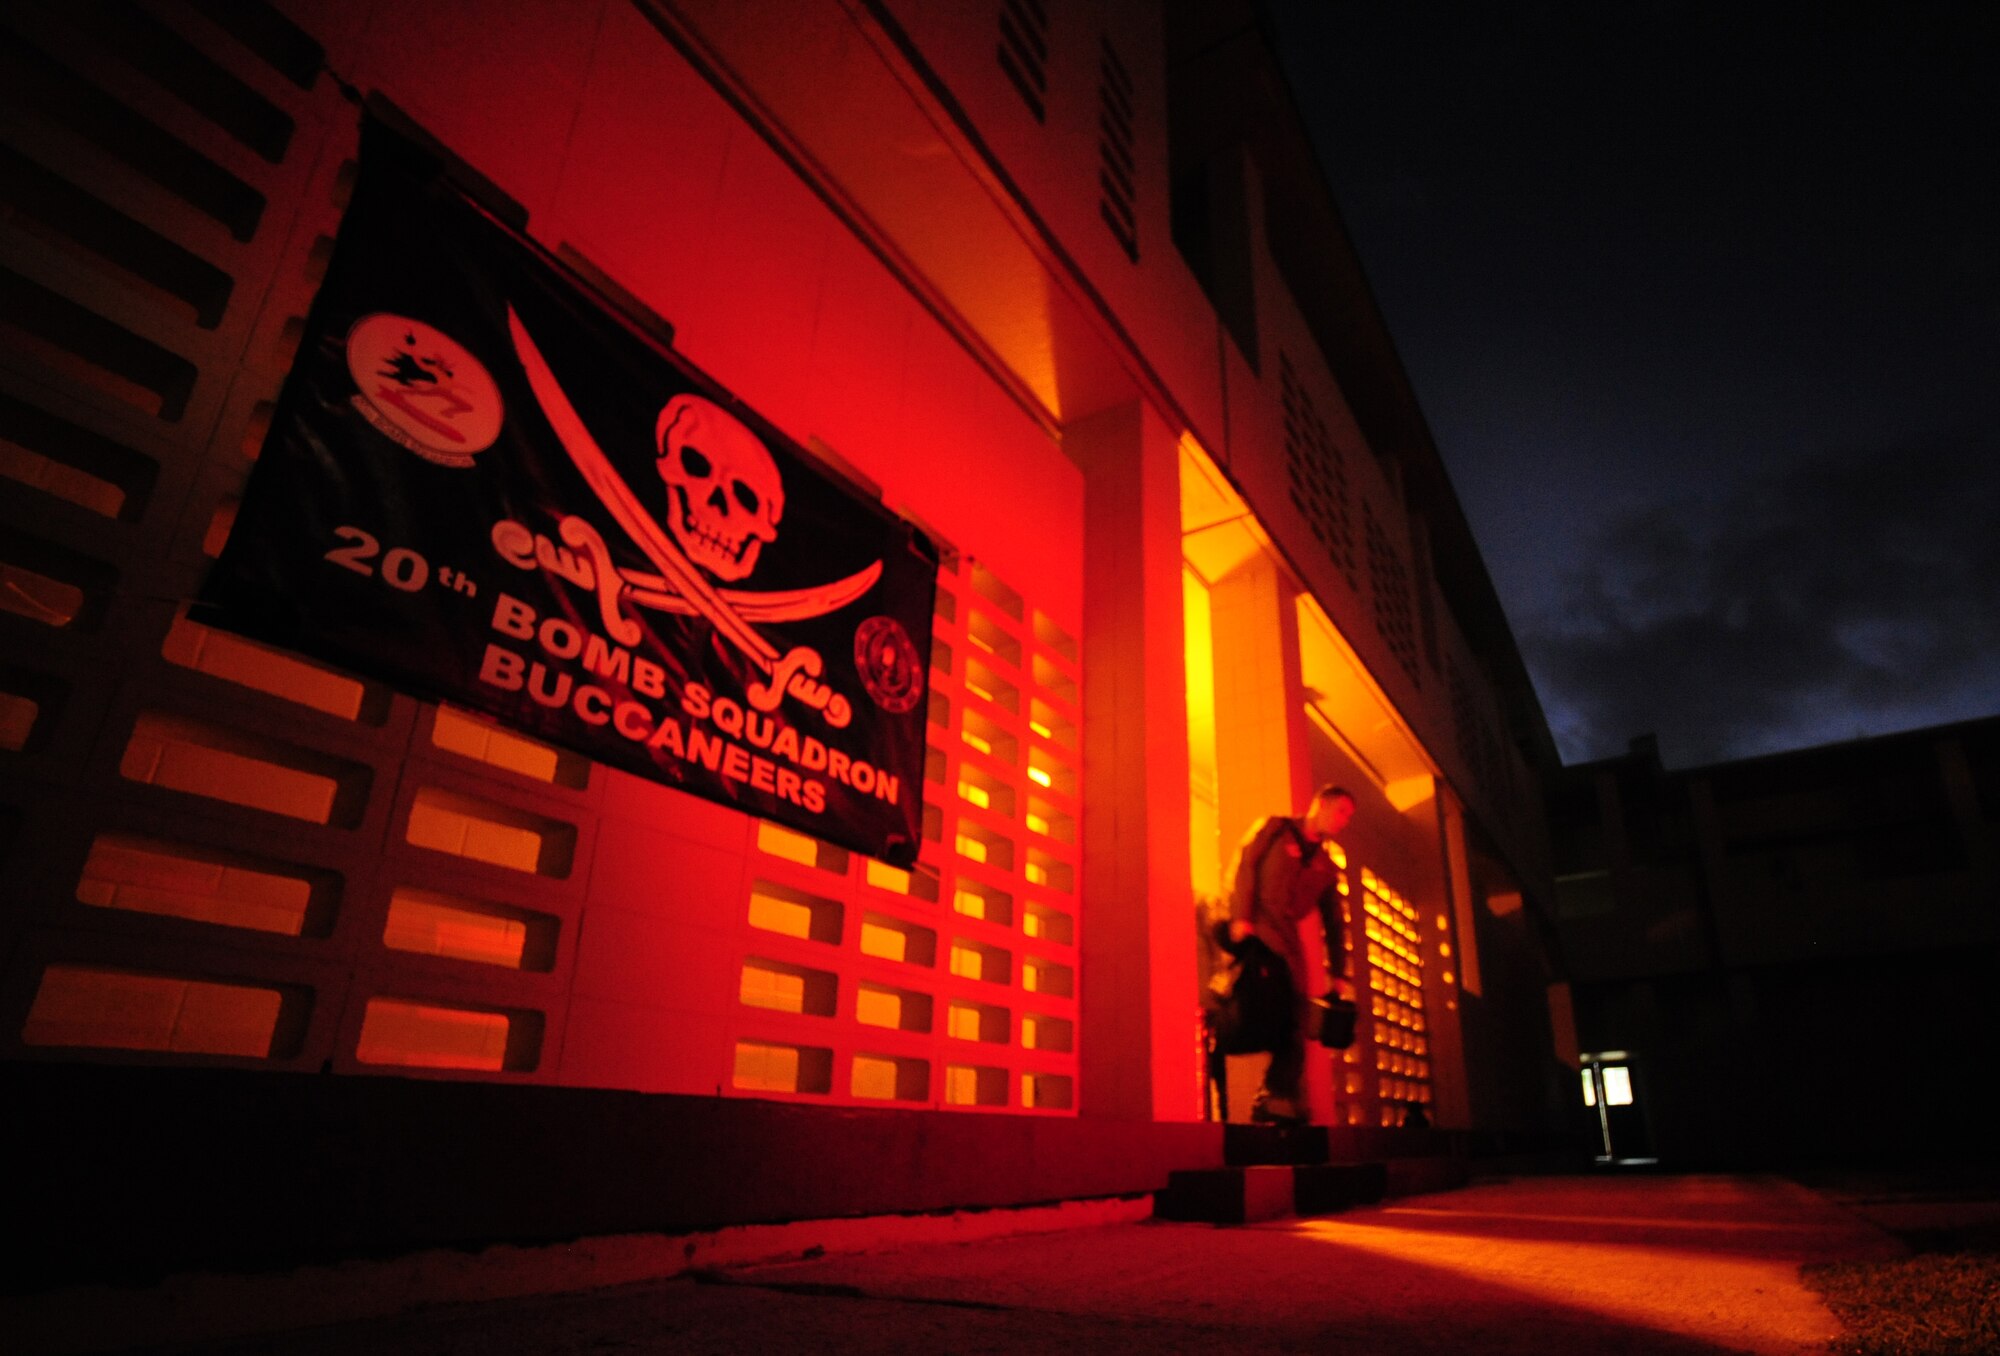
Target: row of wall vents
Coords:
[[1389, 587], [1317, 469], [1023, 54]]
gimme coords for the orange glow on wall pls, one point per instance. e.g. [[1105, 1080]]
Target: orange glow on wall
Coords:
[[431, 1036], [79, 487], [235, 660], [1204, 805], [143, 875], [27, 593], [486, 831], [83, 1005], [201, 759], [434, 924], [18, 715]]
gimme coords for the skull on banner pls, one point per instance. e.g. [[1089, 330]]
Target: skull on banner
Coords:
[[723, 492]]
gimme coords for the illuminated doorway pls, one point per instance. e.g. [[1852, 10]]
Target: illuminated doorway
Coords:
[[1611, 1093]]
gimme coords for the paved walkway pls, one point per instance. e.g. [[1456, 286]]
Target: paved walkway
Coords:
[[1534, 1265]]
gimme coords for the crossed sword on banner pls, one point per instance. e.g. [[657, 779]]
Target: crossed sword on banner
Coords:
[[681, 586]]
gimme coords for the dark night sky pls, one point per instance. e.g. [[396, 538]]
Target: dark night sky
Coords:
[[1702, 302]]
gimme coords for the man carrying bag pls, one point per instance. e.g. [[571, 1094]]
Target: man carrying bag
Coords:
[[1282, 874]]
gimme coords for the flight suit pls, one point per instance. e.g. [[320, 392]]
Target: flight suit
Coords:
[[1279, 878]]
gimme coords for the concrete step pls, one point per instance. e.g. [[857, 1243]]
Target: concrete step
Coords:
[[1418, 1176], [1248, 1193], [1246, 1146], [1240, 1195], [1329, 1188]]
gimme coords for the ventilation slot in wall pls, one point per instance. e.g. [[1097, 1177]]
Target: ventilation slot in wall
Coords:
[[191, 756], [788, 988], [50, 585], [1116, 168], [975, 960], [178, 281], [979, 844], [920, 882], [979, 1022], [109, 1009], [1050, 1092], [1317, 470], [190, 75], [1024, 51], [1478, 746], [27, 706], [52, 455], [175, 880], [896, 1009], [797, 847], [984, 902], [277, 41], [484, 831], [997, 591], [887, 1078], [989, 738], [1046, 1033], [985, 790], [476, 738], [50, 90], [428, 923], [236, 660], [1050, 871], [1389, 583], [1049, 723], [1053, 636], [973, 1085], [77, 343], [794, 913], [764, 1067], [1426, 584], [1051, 925], [984, 633], [894, 939], [415, 1035], [1048, 977]]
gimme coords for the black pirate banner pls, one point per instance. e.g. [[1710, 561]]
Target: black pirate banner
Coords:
[[483, 486]]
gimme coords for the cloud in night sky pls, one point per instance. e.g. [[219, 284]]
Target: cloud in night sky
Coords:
[[1649, 266], [1764, 614]]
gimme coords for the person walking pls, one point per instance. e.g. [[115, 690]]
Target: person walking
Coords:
[[1282, 873]]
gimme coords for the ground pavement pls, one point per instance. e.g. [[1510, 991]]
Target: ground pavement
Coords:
[[1636, 1264]]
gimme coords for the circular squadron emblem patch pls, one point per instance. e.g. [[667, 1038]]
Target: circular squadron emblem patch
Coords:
[[421, 389], [890, 668]]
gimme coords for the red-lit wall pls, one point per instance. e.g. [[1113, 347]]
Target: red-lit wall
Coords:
[[224, 855]]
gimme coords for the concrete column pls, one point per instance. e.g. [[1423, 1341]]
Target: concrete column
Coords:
[[1451, 1096], [1137, 1051], [1263, 765]]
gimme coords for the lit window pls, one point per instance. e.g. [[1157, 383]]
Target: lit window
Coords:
[[1617, 1085]]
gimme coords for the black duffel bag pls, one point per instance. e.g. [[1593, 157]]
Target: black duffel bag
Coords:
[[1336, 1021], [1252, 1013]]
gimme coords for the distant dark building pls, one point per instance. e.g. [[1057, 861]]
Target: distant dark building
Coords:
[[1790, 958]]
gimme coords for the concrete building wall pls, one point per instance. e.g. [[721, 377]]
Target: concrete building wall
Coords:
[[974, 302]]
